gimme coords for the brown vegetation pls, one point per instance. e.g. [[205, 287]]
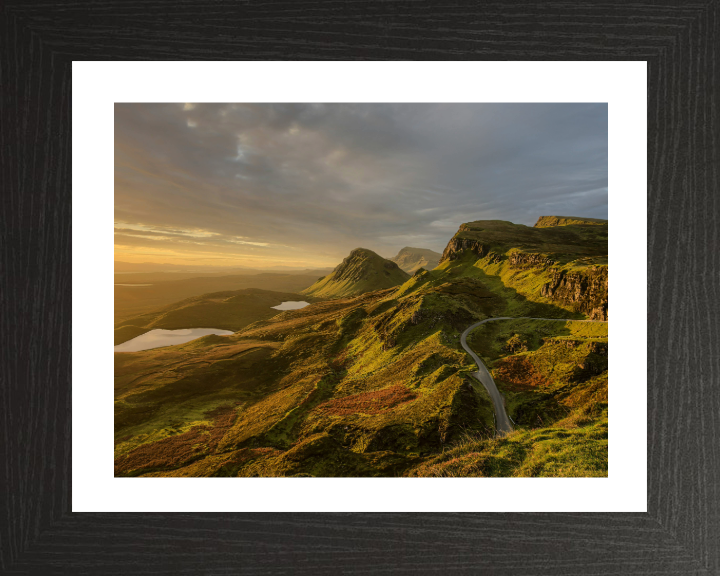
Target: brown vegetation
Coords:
[[180, 449], [166, 453], [368, 402], [518, 373]]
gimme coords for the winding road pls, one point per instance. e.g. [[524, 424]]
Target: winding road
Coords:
[[502, 421]]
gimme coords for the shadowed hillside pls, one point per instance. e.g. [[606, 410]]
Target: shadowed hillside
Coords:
[[229, 310], [362, 271]]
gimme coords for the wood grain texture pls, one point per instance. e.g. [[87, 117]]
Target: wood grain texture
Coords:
[[681, 532]]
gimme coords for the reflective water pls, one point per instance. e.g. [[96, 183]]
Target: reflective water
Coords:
[[290, 305], [158, 338]]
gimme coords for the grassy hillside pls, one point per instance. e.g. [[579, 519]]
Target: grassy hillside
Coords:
[[546, 369], [377, 384], [548, 221], [357, 386], [561, 244], [555, 381], [565, 266], [362, 271], [411, 259], [363, 386], [229, 310], [135, 300]]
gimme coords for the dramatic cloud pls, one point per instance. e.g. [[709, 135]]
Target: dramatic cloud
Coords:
[[303, 184]]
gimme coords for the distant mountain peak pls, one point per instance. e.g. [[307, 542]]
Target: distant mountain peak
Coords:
[[360, 263], [410, 259], [361, 271]]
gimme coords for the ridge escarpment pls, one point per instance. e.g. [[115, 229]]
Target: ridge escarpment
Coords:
[[585, 290], [565, 264]]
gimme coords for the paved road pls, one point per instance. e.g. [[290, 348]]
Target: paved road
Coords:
[[502, 421]]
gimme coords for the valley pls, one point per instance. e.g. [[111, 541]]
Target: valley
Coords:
[[227, 310], [166, 288], [492, 362]]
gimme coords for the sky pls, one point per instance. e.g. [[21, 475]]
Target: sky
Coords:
[[301, 185]]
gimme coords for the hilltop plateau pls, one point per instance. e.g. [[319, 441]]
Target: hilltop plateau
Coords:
[[549, 221]]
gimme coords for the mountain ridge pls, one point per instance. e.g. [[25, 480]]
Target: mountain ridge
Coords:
[[378, 384], [411, 259], [361, 271], [550, 221]]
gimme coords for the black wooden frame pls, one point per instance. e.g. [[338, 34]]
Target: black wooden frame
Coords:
[[680, 534]]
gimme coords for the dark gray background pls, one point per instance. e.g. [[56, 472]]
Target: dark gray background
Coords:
[[680, 532]]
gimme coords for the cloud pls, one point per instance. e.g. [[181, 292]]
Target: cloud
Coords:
[[325, 178]]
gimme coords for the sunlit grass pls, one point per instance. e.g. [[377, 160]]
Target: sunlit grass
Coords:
[[378, 384]]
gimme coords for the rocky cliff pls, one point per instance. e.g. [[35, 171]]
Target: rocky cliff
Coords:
[[458, 244], [586, 291], [526, 260], [562, 260]]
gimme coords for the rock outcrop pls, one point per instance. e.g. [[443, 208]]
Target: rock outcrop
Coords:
[[586, 291], [457, 246], [525, 260]]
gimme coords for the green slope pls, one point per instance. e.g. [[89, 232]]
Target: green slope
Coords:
[[549, 221], [565, 267], [362, 271], [378, 384]]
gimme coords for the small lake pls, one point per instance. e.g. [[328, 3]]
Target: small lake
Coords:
[[158, 338], [291, 305], [133, 284]]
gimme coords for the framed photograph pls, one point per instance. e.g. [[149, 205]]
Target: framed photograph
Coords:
[[361, 308], [371, 292]]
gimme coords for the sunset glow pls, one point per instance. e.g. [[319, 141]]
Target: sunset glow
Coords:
[[300, 185]]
